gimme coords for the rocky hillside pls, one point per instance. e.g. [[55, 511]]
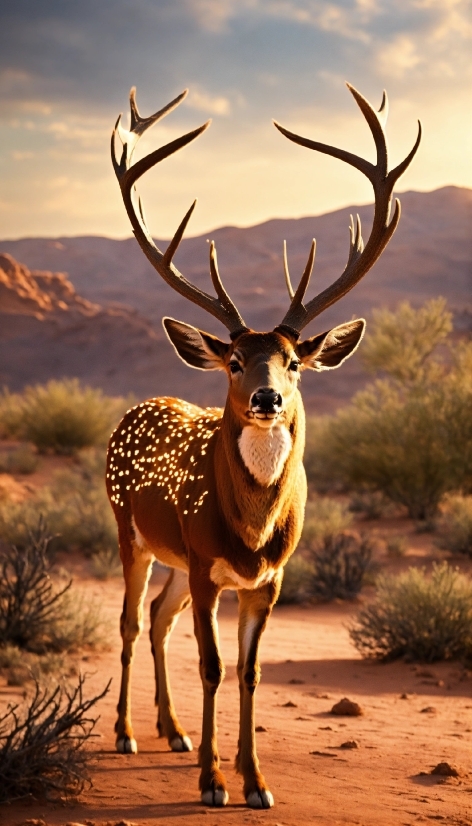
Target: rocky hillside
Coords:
[[113, 335]]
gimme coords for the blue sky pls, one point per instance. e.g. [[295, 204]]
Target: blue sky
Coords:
[[66, 69]]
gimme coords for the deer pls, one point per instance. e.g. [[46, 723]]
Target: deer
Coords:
[[218, 495]]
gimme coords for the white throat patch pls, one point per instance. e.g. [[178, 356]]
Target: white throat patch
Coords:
[[264, 451]]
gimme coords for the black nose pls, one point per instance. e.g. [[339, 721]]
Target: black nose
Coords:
[[266, 399]]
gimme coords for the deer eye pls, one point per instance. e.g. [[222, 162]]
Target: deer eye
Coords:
[[235, 367], [294, 365]]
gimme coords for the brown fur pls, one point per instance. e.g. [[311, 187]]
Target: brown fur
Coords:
[[182, 493]]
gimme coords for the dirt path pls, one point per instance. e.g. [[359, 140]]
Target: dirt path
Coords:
[[308, 661]]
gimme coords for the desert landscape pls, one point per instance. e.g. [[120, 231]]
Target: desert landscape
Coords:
[[399, 751], [374, 768]]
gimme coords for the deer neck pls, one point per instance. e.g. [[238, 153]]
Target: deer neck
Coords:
[[257, 472]]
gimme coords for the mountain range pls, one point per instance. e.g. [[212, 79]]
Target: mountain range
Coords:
[[91, 307]]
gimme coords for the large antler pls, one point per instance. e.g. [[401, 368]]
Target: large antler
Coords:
[[222, 307], [361, 258]]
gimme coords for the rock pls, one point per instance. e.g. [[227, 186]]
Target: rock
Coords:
[[347, 708], [428, 710], [350, 744], [445, 770], [261, 728], [296, 682], [289, 705]]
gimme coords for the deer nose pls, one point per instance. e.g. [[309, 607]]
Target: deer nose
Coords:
[[266, 400]]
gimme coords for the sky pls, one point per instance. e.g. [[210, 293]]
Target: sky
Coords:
[[66, 67]]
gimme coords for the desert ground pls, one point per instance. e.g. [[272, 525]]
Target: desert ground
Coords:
[[414, 717]]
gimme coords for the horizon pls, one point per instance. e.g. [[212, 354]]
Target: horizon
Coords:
[[188, 236]]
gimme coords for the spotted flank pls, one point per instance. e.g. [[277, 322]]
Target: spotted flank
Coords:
[[159, 443]]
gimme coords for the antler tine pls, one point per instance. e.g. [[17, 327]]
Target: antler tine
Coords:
[[222, 307], [287, 273], [360, 258]]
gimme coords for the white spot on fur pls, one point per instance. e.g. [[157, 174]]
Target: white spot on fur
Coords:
[[265, 451]]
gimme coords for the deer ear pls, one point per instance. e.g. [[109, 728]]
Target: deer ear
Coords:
[[196, 348], [327, 351]]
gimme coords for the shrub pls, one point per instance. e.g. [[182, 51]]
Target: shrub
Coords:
[[371, 504], [324, 518], [340, 566], [297, 576], [417, 617], [106, 564], [23, 460], [75, 507], [61, 416], [42, 745], [403, 343], [408, 436], [35, 614], [406, 446], [397, 546], [456, 525]]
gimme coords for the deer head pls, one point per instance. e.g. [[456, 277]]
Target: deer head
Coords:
[[263, 368]]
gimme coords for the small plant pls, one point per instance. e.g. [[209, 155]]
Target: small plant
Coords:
[[61, 416], [42, 744], [417, 617], [29, 602], [456, 525], [324, 517], [35, 614], [297, 576], [340, 566], [370, 504], [75, 508], [106, 564], [23, 460], [397, 546]]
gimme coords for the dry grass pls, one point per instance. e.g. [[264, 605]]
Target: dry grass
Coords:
[[42, 744]]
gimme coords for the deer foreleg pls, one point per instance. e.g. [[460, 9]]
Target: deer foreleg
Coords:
[[205, 603], [254, 610], [131, 624], [165, 610]]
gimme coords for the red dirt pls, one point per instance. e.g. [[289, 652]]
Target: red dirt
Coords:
[[307, 661]]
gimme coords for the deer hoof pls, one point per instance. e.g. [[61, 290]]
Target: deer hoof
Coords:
[[126, 745], [215, 797], [260, 799], [181, 743]]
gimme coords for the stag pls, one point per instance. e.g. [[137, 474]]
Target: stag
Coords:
[[219, 495]]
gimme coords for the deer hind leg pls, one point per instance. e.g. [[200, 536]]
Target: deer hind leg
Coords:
[[165, 610], [131, 625], [254, 610]]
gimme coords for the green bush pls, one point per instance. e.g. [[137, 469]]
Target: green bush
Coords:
[[417, 617], [456, 525], [340, 565], [75, 508], [408, 436], [37, 613], [297, 577], [333, 561], [22, 460], [324, 518], [61, 417]]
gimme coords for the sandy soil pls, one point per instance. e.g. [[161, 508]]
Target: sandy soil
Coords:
[[308, 660]]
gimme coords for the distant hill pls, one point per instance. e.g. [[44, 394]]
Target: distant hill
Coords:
[[120, 345]]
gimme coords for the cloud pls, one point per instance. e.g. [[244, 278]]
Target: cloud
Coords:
[[205, 102]]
